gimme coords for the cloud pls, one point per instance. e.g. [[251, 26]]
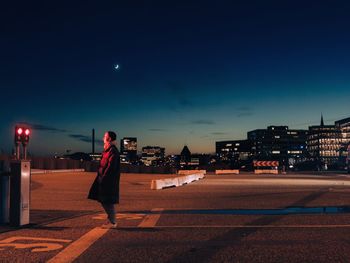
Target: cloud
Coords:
[[244, 114], [84, 138], [79, 137], [207, 122], [157, 130], [244, 111], [40, 127], [219, 133], [243, 108]]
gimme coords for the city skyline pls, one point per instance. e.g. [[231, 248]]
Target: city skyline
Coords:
[[170, 74]]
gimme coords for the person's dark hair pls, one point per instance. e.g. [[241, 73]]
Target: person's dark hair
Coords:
[[112, 135]]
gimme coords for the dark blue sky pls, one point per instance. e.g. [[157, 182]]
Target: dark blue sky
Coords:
[[191, 72]]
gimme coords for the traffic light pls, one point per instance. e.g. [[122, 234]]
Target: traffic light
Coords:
[[22, 135], [18, 135], [25, 138]]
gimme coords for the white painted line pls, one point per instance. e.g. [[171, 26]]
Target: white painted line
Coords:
[[71, 252], [151, 220], [257, 226]]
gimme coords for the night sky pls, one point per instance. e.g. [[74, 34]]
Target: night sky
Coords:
[[190, 72]]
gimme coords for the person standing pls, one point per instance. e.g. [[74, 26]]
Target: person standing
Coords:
[[105, 188]]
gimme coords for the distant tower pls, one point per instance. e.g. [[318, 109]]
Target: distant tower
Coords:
[[185, 155], [322, 123], [93, 141]]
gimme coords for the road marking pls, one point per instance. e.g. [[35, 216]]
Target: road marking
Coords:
[[256, 226], [152, 219], [36, 247], [71, 252], [120, 216]]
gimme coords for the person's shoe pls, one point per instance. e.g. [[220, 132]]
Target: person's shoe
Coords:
[[109, 226]]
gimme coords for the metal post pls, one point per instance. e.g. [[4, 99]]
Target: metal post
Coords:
[[24, 152], [17, 152]]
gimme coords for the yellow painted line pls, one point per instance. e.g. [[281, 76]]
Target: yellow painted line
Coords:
[[71, 252], [120, 216], [152, 219]]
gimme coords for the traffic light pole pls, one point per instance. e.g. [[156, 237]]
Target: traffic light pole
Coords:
[[20, 180], [24, 152], [17, 152]]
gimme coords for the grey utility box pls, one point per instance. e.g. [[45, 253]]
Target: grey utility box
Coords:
[[4, 198], [20, 192]]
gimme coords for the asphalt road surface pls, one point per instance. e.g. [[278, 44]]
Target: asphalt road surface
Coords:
[[221, 218]]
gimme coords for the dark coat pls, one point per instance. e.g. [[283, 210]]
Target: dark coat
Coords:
[[105, 188]]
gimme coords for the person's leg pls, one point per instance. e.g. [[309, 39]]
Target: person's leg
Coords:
[[110, 211]]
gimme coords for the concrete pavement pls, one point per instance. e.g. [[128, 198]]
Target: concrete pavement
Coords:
[[217, 219]]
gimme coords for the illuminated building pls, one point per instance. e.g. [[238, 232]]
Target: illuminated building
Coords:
[[128, 150], [152, 155], [344, 127], [279, 143], [228, 151], [324, 143]]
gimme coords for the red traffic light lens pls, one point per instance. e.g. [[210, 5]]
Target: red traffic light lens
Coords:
[[27, 132], [19, 131]]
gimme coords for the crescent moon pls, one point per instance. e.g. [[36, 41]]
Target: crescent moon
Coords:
[[116, 66]]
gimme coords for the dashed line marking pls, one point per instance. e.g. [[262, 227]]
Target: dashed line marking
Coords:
[[74, 250], [152, 219]]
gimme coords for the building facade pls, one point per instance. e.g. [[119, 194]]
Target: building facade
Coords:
[[279, 143], [234, 151], [128, 150], [344, 127], [324, 143], [152, 155]]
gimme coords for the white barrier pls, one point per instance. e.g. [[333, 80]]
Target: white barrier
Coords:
[[176, 181], [39, 171], [273, 171], [226, 171], [191, 171]]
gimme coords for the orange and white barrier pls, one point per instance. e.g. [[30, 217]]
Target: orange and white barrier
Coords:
[[272, 171], [227, 171], [191, 171], [39, 171]]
